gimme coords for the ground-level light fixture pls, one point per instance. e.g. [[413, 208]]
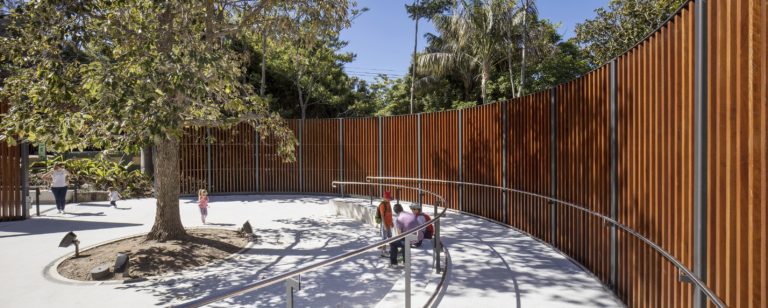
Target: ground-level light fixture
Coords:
[[121, 263], [69, 239]]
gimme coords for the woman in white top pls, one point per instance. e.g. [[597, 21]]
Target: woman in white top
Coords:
[[58, 179]]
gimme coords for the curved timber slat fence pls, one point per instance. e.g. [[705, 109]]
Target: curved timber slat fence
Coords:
[[11, 205], [669, 139]]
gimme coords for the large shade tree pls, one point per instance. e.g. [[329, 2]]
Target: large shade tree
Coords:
[[122, 75]]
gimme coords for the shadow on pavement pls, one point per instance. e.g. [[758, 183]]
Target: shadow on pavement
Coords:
[[45, 226]]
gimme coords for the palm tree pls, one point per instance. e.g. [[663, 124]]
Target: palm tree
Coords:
[[470, 36], [422, 9], [516, 33]]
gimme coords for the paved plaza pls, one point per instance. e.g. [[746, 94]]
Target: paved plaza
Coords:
[[491, 265]]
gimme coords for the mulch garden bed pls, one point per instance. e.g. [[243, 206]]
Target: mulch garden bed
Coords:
[[152, 258]]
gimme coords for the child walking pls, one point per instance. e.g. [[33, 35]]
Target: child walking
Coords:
[[113, 196], [202, 200]]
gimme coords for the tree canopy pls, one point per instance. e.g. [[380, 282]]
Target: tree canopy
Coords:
[[120, 75], [622, 25]]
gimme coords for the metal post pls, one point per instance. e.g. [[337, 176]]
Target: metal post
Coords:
[[290, 285], [301, 155], [25, 200], [341, 155], [381, 153], [553, 164], [461, 169], [700, 151], [37, 200], [210, 163], [408, 239], [256, 161], [436, 239], [418, 158], [614, 163], [504, 202]]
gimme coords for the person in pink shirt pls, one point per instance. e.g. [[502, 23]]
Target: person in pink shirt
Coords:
[[202, 200], [405, 222]]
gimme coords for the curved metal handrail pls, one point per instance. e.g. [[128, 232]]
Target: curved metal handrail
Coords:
[[285, 276], [695, 280]]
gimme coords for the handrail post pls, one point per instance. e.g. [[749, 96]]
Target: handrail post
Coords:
[[614, 175], [290, 285], [436, 240], [700, 151], [407, 244]]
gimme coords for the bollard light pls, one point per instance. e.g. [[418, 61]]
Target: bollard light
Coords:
[[69, 239], [121, 263]]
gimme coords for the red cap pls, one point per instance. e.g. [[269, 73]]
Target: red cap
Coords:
[[387, 195]]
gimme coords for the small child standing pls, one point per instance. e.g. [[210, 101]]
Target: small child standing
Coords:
[[113, 196], [202, 200]]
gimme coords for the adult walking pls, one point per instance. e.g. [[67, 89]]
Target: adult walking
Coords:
[[58, 179]]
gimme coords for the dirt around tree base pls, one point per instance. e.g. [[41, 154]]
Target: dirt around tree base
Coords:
[[152, 258]]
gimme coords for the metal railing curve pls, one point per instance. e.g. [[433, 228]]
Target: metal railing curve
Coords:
[[686, 272], [239, 290]]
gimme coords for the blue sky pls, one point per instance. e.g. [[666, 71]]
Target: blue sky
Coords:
[[382, 38]]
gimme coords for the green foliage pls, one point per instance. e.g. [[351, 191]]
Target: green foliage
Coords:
[[476, 56], [427, 8], [122, 75], [621, 26], [97, 174]]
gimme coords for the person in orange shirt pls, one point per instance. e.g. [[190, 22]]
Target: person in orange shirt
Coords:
[[384, 219]]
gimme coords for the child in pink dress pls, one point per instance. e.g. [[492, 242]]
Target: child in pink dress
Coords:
[[202, 200]]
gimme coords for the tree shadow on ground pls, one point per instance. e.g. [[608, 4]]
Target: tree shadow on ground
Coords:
[[521, 266], [45, 226], [360, 281]]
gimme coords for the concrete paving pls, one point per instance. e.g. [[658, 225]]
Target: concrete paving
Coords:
[[492, 265]]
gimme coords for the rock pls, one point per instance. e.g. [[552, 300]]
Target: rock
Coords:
[[100, 272]]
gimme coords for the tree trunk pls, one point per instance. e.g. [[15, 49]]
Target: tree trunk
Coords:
[[413, 65], [511, 74], [522, 60], [167, 218], [485, 75], [263, 89], [147, 162], [302, 102]]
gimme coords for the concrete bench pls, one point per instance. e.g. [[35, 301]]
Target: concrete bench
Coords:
[[46, 196]]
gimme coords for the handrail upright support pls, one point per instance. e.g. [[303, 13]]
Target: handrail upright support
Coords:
[[291, 284], [438, 248], [407, 244]]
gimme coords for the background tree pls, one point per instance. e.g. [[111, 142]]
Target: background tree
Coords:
[[422, 9], [622, 25], [121, 75]]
